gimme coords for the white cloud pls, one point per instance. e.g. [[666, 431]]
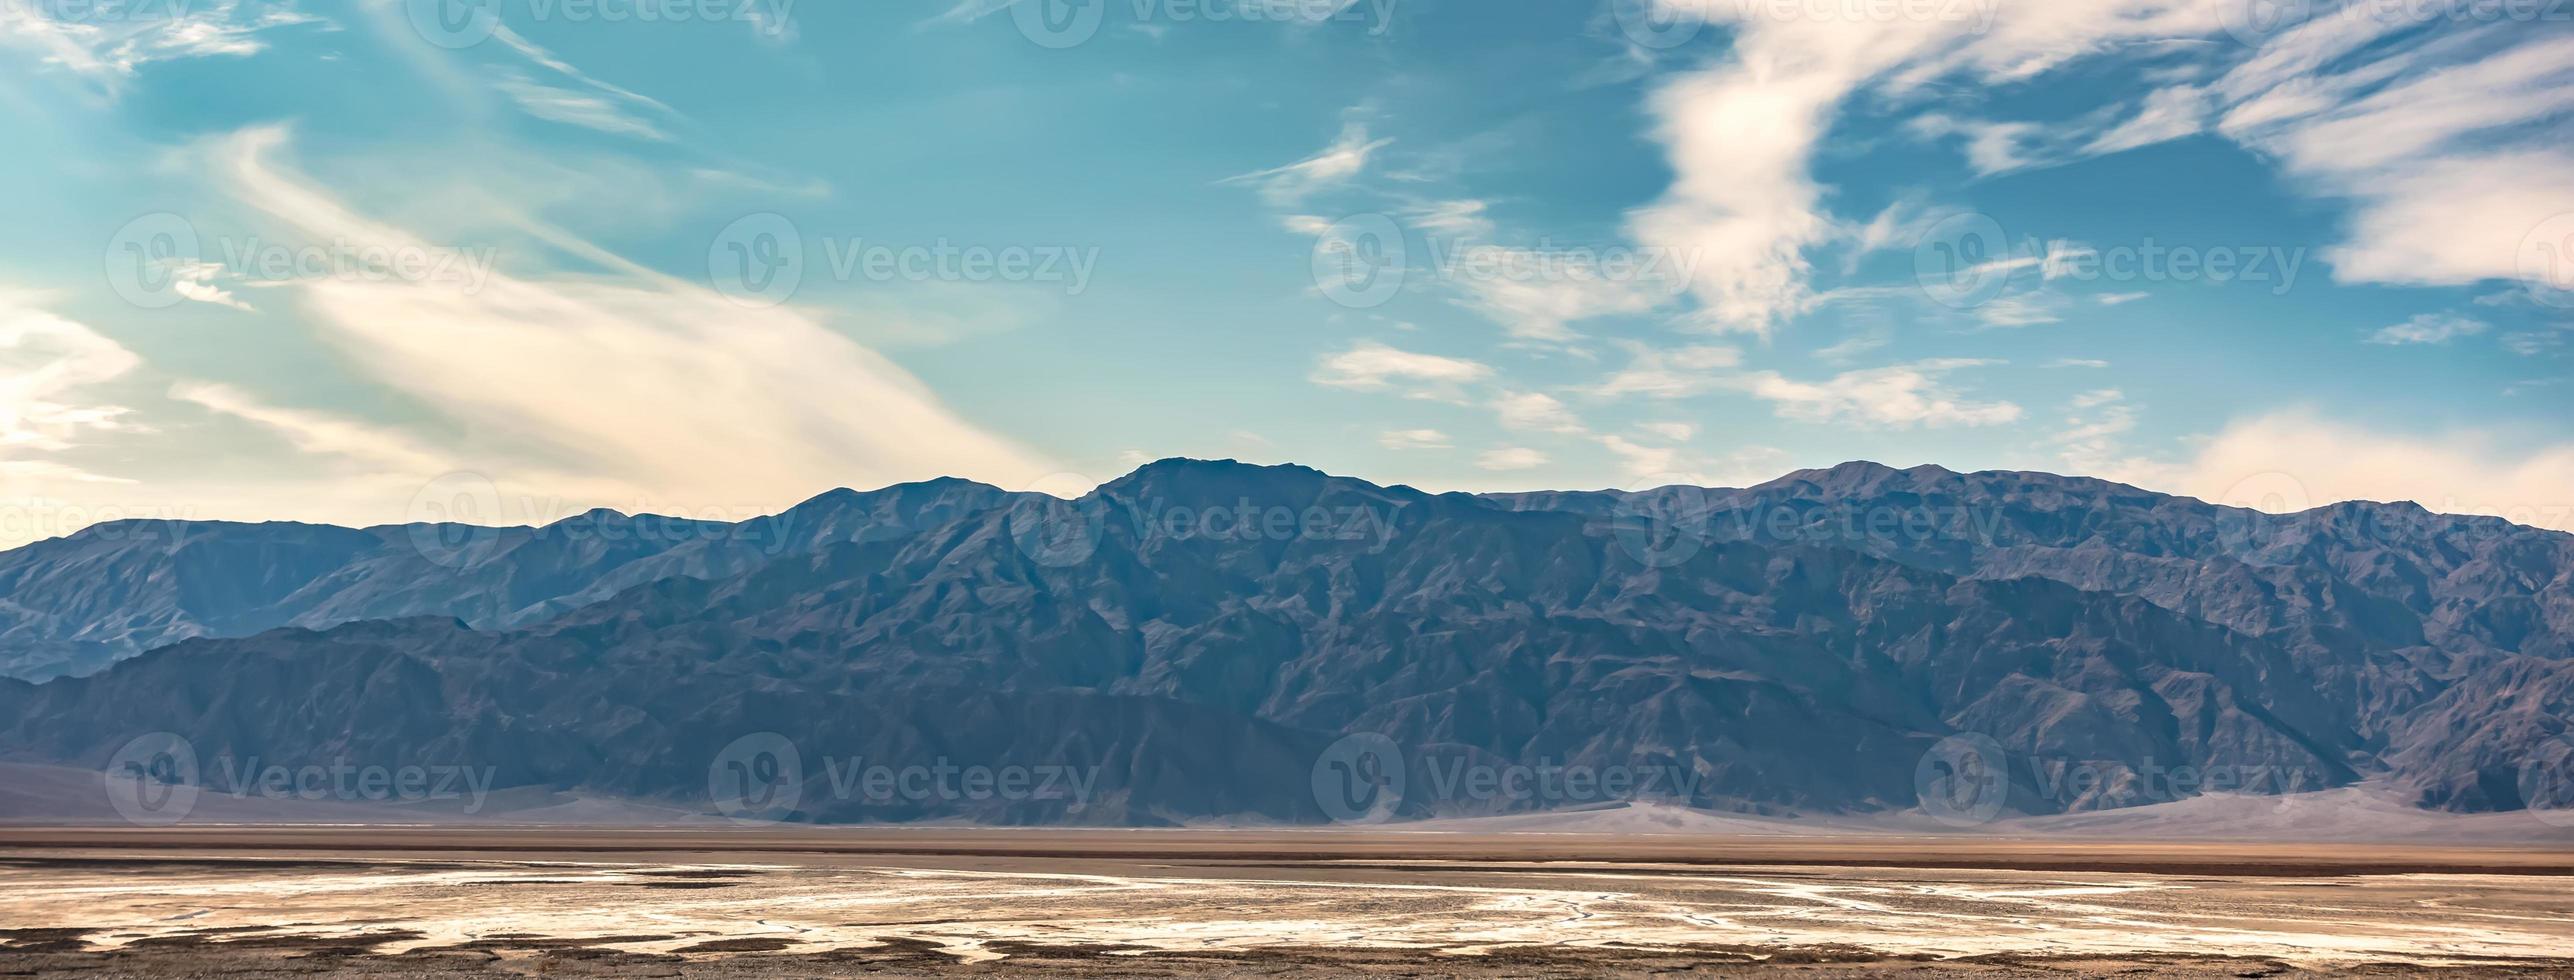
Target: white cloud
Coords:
[[576, 108], [1852, 347], [1670, 374], [2445, 141], [2095, 424], [1899, 397], [2118, 299], [2442, 147], [106, 49], [605, 107], [2021, 310], [2295, 460], [1991, 147], [47, 366], [1641, 460], [1371, 366], [1742, 133], [1331, 167], [196, 281], [2531, 343], [1413, 439], [1674, 431], [583, 373], [1462, 218], [320, 433], [1537, 294], [1510, 458], [2429, 328], [1531, 411], [2168, 114]]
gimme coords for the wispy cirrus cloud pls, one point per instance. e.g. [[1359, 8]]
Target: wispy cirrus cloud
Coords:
[[2429, 328], [1535, 411], [50, 368], [1903, 396], [591, 103], [109, 40], [1371, 366], [1413, 439], [578, 372], [1332, 166], [1510, 458]]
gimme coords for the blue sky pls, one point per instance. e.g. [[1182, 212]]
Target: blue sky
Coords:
[[379, 261]]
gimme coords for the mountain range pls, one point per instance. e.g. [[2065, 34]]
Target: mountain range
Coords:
[[1201, 640]]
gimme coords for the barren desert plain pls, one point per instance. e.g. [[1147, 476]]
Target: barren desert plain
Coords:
[[720, 902]]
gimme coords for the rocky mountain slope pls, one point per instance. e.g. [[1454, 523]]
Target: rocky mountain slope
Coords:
[[1197, 639]]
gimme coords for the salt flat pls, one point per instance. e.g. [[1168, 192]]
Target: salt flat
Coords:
[[434, 901]]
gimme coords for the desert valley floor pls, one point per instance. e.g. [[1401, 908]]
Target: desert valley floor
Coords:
[[376, 901]]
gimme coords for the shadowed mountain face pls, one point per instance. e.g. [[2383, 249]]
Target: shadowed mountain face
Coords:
[[75, 604], [1192, 639]]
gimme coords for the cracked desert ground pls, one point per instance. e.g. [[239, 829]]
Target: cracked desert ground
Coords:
[[377, 901]]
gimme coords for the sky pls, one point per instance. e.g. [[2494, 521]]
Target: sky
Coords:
[[504, 261]]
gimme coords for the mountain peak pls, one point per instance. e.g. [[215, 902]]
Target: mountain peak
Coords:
[[1192, 468], [593, 517], [1859, 474]]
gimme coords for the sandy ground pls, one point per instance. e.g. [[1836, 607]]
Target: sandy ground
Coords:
[[378, 901]]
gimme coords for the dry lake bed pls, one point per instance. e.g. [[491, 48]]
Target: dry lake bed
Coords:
[[429, 902]]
